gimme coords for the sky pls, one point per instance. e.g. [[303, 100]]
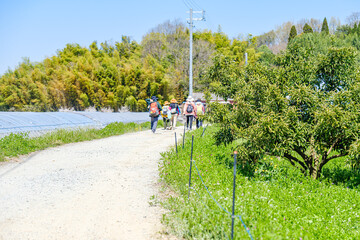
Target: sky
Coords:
[[37, 29]]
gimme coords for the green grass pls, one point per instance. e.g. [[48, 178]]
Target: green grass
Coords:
[[274, 199], [17, 144]]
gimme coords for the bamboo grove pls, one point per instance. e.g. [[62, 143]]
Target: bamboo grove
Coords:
[[111, 76]]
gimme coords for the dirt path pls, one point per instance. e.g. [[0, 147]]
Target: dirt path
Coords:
[[91, 190]]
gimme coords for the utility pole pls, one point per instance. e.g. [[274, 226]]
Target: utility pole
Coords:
[[191, 39]]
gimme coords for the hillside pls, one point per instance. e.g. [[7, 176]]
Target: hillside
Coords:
[[125, 73]]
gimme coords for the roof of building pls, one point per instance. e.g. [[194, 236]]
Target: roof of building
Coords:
[[214, 98]]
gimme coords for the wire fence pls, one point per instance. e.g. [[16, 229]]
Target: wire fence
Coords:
[[219, 205], [232, 215]]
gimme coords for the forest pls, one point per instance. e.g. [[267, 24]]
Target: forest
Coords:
[[124, 73]]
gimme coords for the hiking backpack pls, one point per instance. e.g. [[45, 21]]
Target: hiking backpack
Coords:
[[154, 110], [173, 108], [199, 109], [190, 108]]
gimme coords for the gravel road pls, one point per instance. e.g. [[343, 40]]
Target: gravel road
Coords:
[[91, 190]]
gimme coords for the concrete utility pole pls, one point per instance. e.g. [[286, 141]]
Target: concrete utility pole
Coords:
[[191, 38]]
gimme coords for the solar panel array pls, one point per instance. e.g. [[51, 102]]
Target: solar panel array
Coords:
[[36, 123]]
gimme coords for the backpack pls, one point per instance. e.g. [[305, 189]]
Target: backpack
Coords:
[[165, 111], [173, 108], [199, 109], [190, 108], [154, 110]]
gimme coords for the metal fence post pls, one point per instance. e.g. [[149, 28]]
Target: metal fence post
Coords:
[[204, 130], [176, 144], [184, 137], [233, 206], [192, 146]]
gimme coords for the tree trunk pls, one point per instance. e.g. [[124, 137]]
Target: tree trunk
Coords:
[[315, 169], [315, 174]]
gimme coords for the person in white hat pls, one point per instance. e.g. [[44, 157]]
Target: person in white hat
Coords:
[[190, 112]]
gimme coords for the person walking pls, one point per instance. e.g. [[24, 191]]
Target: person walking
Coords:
[[190, 112], [166, 115], [175, 112], [154, 112], [200, 111]]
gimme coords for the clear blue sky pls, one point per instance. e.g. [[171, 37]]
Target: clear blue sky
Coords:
[[38, 28]]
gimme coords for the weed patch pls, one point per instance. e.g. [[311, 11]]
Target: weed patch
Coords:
[[17, 144]]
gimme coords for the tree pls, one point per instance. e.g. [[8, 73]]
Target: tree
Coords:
[[355, 28], [353, 18], [334, 24], [131, 103], [267, 56], [293, 33], [325, 27], [307, 29], [307, 121]]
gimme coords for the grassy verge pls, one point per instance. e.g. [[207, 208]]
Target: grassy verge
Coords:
[[274, 200], [17, 144]]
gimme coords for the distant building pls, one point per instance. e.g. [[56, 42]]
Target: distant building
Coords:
[[214, 98]]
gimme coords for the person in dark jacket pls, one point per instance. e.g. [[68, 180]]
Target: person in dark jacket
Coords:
[[154, 112], [175, 112]]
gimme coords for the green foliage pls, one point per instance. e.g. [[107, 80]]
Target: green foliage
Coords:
[[131, 103], [274, 200], [111, 76], [142, 105], [221, 74], [267, 56], [292, 34], [303, 109], [307, 28], [325, 27]]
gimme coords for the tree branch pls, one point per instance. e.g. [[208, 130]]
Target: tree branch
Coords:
[[298, 151], [325, 158], [304, 157], [336, 156], [325, 161], [333, 145], [292, 158]]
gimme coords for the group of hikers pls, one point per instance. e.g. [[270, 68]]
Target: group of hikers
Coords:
[[171, 110]]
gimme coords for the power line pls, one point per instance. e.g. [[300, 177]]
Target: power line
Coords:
[[192, 4], [186, 4], [209, 22], [195, 4]]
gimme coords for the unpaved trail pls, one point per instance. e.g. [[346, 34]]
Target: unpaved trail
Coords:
[[91, 190]]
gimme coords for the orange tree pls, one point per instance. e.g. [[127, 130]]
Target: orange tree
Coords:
[[304, 109]]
